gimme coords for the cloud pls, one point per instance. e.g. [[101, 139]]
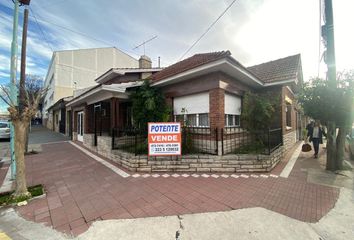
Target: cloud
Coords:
[[254, 31]]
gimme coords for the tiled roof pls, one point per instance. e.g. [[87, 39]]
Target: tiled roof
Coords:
[[190, 63], [278, 70]]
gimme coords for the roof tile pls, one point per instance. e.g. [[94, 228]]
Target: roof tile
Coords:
[[189, 63], [277, 70]]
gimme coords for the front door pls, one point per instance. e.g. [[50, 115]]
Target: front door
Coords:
[[80, 126]]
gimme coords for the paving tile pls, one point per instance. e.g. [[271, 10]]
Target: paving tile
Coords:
[[58, 216], [41, 216], [77, 223], [81, 191], [65, 228], [80, 229]]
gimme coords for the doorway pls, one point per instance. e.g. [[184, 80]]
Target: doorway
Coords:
[[80, 126]]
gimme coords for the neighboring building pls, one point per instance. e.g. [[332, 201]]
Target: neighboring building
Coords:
[[70, 70], [106, 105], [58, 116], [206, 91]]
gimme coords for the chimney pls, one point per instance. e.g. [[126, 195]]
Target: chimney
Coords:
[[144, 62]]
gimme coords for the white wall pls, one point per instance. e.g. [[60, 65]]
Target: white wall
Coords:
[[232, 104], [195, 103], [82, 66]]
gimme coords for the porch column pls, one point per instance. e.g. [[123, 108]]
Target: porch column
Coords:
[[74, 119], [217, 113], [114, 112], [87, 117], [169, 102]]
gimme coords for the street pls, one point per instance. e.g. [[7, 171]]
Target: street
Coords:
[[4, 148]]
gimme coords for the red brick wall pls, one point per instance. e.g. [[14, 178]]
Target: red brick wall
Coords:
[[287, 93], [217, 108]]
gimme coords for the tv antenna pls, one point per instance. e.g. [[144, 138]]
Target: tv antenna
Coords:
[[143, 43]]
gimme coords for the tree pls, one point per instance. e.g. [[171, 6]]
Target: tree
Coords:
[[326, 104], [258, 111], [149, 105], [20, 119]]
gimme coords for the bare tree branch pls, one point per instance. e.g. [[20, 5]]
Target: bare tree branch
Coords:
[[9, 99]]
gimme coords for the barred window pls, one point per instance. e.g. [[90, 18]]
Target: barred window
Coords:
[[203, 120], [232, 120]]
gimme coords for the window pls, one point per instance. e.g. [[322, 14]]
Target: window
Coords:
[[204, 120], [288, 115], [51, 80], [232, 120], [193, 120]]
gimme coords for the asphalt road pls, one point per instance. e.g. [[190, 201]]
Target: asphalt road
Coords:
[[4, 148]]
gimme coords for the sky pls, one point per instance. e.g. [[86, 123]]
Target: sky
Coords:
[[254, 31]]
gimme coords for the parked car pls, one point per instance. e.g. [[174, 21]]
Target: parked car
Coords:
[[4, 130]]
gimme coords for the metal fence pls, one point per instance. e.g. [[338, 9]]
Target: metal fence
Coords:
[[195, 140], [236, 140], [130, 140], [199, 140]]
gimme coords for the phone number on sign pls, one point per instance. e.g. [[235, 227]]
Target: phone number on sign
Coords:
[[162, 148]]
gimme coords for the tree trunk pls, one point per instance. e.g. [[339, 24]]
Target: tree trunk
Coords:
[[331, 147], [20, 133], [340, 148], [26, 138]]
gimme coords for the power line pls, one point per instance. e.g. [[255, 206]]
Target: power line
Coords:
[[77, 32], [207, 30], [40, 29], [85, 35]]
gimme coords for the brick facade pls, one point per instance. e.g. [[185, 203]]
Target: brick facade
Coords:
[[217, 108]]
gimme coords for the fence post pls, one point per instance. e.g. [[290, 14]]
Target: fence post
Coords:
[[268, 140], [216, 141], [112, 138], [222, 141], [135, 141]]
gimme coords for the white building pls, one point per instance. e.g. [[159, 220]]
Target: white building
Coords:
[[71, 70]]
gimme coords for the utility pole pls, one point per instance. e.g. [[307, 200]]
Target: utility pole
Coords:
[[13, 92], [13, 81], [23, 63], [330, 60]]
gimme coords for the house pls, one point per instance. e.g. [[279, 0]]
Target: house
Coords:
[[106, 105], [70, 70], [210, 86], [205, 90]]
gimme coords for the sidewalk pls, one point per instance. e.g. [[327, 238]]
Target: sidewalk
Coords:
[[40, 135], [81, 191]]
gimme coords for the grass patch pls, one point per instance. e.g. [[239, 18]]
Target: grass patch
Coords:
[[140, 148], [254, 148], [7, 198]]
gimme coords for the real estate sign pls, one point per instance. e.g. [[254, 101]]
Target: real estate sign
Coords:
[[164, 139]]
